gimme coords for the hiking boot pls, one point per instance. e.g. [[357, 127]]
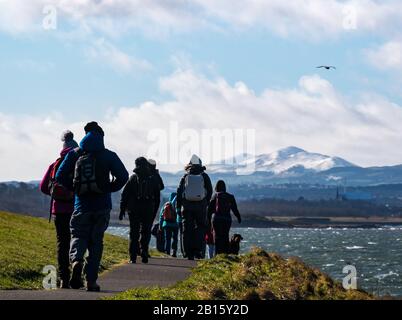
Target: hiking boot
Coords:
[[174, 255], [93, 286], [145, 258], [76, 278], [148, 254], [132, 261], [198, 256], [190, 258]]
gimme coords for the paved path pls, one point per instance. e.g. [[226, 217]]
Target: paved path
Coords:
[[158, 272]]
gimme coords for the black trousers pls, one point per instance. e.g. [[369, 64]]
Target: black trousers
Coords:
[[194, 230], [221, 235], [63, 234], [140, 231]]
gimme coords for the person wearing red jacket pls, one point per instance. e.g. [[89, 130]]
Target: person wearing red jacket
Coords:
[[61, 210]]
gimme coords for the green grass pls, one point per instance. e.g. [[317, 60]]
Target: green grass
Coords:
[[257, 275], [28, 244]]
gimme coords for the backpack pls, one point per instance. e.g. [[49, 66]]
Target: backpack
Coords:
[[169, 214], [57, 191], [194, 187], [222, 205], [145, 188], [87, 176]]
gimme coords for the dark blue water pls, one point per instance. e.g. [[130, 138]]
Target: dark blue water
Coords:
[[376, 253]]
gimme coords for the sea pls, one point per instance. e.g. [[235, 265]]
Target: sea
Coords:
[[376, 254]]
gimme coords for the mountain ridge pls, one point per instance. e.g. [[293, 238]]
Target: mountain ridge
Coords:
[[293, 165], [280, 161]]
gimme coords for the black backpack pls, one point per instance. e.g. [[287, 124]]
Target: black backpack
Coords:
[[145, 188], [222, 204], [88, 175]]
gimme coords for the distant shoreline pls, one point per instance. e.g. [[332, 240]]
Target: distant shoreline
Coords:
[[260, 222], [331, 222]]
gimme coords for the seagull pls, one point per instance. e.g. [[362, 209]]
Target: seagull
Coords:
[[327, 67]]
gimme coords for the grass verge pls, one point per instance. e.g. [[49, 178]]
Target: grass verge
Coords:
[[254, 276], [28, 244]]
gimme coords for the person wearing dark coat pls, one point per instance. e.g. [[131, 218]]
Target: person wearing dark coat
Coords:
[[219, 217], [193, 210], [139, 198], [91, 209], [157, 177]]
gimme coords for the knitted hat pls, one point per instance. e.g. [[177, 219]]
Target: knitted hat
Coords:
[[68, 140], [195, 160]]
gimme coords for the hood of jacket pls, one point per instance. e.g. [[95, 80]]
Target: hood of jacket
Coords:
[[172, 197], [142, 172], [92, 142], [174, 202], [195, 169]]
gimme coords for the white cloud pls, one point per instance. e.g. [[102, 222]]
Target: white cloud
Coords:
[[313, 115], [28, 142], [104, 52], [311, 19], [110, 17], [387, 56], [20, 16]]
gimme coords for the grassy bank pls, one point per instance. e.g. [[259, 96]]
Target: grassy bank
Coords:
[[257, 275], [28, 244]]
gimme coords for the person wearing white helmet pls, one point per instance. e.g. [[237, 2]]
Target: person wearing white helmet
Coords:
[[193, 196]]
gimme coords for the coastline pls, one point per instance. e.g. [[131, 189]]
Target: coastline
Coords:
[[260, 222]]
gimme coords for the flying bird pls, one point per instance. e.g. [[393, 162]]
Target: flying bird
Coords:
[[327, 67]]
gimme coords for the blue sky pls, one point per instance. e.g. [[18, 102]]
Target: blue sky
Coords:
[[37, 71], [106, 60]]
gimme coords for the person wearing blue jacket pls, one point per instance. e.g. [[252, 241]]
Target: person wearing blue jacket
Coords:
[[169, 222], [86, 171]]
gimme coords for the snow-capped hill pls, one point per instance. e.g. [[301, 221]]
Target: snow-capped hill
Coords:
[[287, 159], [287, 152], [230, 165]]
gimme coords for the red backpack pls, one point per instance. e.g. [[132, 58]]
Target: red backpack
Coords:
[[57, 191], [169, 214]]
